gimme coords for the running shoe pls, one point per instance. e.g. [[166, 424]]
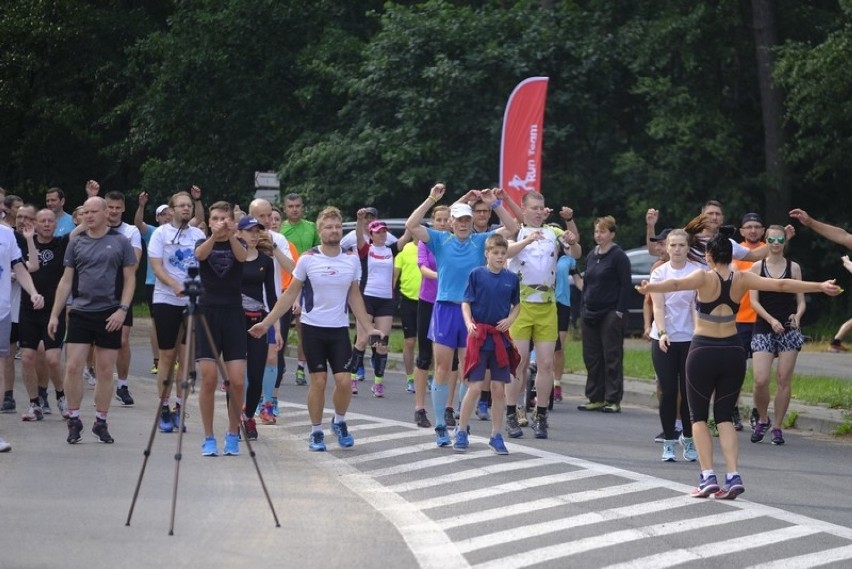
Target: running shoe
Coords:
[[557, 393], [482, 411], [62, 405], [176, 423], [668, 451], [837, 347], [592, 406], [101, 432], [706, 487], [513, 429], [611, 408], [155, 369], [733, 487], [522, 418], [421, 420], [4, 446], [539, 426], [250, 426], [354, 387], [736, 420], [8, 404], [359, 374], [760, 431], [777, 436], [689, 451], [462, 442], [661, 437], [276, 412], [89, 376], [33, 413], [316, 442], [340, 429], [123, 395], [45, 405], [232, 444], [449, 417], [409, 386], [166, 425], [497, 445], [75, 428], [442, 437], [378, 390], [300, 376], [267, 417], [753, 418], [208, 447]]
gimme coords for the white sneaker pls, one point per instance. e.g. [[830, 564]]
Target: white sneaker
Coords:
[[689, 451], [669, 451], [89, 376], [4, 446], [62, 405], [33, 413]]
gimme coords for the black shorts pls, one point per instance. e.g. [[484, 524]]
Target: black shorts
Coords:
[[14, 334], [128, 319], [167, 320], [378, 306], [149, 297], [32, 329], [408, 316], [90, 328], [563, 317], [326, 345], [228, 328]]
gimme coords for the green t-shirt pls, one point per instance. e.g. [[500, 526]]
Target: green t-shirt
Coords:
[[409, 273], [302, 234]]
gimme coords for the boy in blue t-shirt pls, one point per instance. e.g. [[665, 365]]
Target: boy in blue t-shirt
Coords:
[[491, 304]]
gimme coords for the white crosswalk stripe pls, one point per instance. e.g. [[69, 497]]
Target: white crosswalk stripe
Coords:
[[401, 473]]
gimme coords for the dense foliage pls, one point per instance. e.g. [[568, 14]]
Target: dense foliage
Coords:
[[651, 104]]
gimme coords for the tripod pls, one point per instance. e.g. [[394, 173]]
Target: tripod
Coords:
[[192, 289]]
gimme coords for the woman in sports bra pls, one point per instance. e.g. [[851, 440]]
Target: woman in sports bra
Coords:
[[715, 366]]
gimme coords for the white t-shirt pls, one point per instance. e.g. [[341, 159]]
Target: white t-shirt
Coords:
[[132, 234], [680, 305], [176, 249], [379, 275], [350, 240], [535, 264], [325, 291], [9, 253]]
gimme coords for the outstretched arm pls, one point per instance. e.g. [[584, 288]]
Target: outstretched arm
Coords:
[[830, 232]]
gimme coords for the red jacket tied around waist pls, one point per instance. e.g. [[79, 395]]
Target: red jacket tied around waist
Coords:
[[475, 341]]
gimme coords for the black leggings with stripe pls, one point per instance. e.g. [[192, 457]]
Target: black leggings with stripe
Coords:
[[715, 368]]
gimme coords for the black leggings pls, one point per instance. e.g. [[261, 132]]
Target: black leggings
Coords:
[[671, 373], [256, 349], [714, 366]]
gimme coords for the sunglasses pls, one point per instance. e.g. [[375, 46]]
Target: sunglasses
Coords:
[[779, 240]]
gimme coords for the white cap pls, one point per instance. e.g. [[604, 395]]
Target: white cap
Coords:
[[460, 210], [161, 209]]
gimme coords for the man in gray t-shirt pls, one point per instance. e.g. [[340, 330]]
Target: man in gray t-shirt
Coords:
[[100, 268]]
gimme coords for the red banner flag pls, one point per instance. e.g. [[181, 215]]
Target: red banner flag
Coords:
[[523, 130]]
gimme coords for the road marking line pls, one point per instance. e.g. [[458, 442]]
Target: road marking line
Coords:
[[709, 550], [421, 465], [391, 437], [807, 560], [389, 453], [468, 474]]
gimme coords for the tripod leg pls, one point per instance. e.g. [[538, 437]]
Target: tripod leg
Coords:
[[189, 363], [147, 451], [224, 373]]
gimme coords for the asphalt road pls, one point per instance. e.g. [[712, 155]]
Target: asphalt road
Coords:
[[593, 495]]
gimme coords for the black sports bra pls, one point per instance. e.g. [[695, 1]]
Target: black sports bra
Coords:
[[705, 308]]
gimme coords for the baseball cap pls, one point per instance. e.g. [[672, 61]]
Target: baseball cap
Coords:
[[377, 225], [247, 222], [661, 236], [751, 217], [371, 211], [161, 209], [460, 210]]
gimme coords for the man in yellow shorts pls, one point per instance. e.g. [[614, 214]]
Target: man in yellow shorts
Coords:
[[534, 253]]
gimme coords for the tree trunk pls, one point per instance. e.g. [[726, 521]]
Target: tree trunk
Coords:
[[778, 192]]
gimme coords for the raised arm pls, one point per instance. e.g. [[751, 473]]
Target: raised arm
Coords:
[[510, 224], [830, 232], [414, 221], [139, 217], [651, 218]]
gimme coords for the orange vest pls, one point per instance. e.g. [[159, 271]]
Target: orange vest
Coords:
[[286, 277], [746, 313]]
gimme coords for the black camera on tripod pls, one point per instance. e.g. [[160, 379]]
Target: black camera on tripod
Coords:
[[192, 285]]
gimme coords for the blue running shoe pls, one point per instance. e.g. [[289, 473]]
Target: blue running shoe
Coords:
[[208, 447], [342, 431], [462, 442], [733, 487], [232, 445], [176, 420], [689, 451], [706, 486], [497, 445], [482, 411], [359, 374], [317, 442], [166, 425], [442, 437]]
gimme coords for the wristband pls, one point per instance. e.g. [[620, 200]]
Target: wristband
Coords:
[[570, 219], [435, 200], [662, 333], [496, 204], [124, 308]]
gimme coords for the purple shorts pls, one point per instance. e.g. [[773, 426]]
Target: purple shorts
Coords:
[[447, 325], [488, 360]]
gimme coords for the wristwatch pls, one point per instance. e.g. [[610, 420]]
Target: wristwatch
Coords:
[[124, 307]]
